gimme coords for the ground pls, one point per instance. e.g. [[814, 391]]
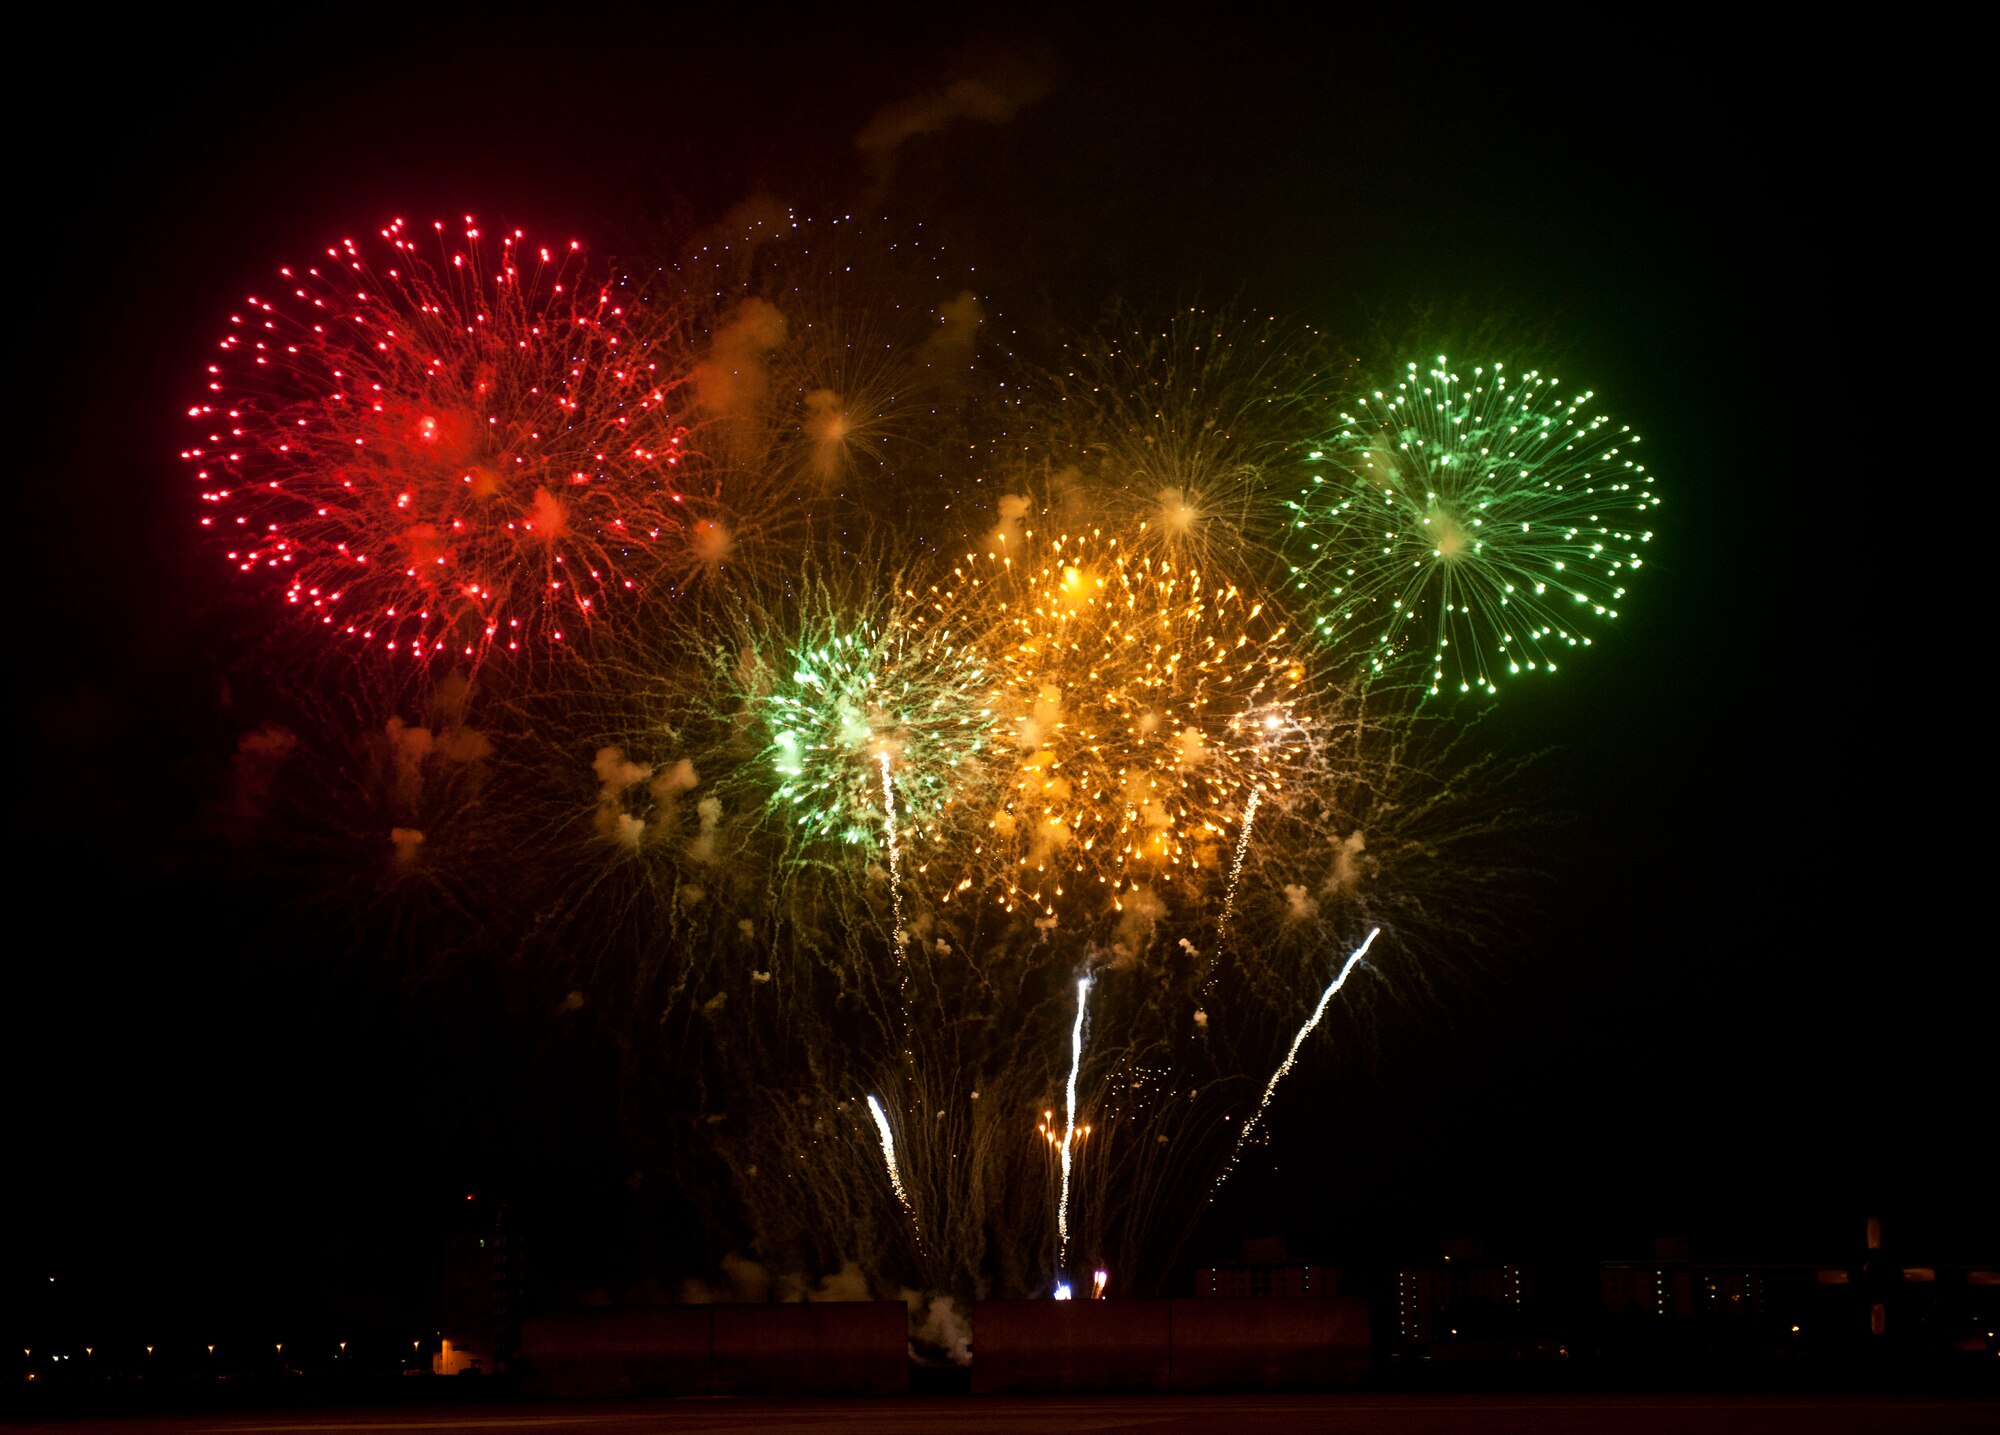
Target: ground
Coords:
[[1143, 1415]]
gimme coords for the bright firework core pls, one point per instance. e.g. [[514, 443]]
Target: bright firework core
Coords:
[[1143, 704]]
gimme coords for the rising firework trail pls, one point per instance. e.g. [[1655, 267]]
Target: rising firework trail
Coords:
[[1340, 979], [1069, 1122]]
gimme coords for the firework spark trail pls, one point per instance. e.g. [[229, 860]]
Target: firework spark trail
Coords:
[[896, 903], [1236, 867], [1069, 1122], [895, 853], [1236, 1152], [889, 1160]]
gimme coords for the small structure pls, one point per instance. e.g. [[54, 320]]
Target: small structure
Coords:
[[1462, 1296], [1266, 1269]]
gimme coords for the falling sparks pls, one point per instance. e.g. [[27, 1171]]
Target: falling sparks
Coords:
[[1176, 423]]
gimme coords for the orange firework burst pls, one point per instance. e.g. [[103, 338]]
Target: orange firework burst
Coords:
[[1144, 704], [441, 458]]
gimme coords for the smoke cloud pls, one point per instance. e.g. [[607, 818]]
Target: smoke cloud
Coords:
[[677, 778], [938, 1325], [991, 91], [408, 747], [259, 755], [951, 344], [1007, 537], [614, 776], [709, 810], [463, 744], [1350, 866], [732, 382], [743, 1281], [1142, 911]]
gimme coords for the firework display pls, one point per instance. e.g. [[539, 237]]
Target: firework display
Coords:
[[1476, 525], [999, 778]]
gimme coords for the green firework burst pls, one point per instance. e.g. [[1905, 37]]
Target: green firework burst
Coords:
[[848, 693], [1478, 524]]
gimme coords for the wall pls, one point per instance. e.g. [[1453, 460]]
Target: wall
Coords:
[[831, 1348], [1070, 1345], [1298, 1343], [823, 1348]]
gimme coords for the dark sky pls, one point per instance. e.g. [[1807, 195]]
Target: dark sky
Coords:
[[1737, 1007]]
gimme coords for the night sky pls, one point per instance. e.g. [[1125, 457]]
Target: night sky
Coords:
[[1738, 1005]]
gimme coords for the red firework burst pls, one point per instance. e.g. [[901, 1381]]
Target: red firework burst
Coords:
[[443, 457]]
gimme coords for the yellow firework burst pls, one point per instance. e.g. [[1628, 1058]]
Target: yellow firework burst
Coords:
[[1140, 704]]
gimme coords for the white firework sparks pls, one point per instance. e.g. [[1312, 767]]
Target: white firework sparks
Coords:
[[1340, 979]]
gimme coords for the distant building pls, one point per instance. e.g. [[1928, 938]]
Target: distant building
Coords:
[[483, 1288], [1873, 1303], [1673, 1286], [1266, 1269], [1461, 1295]]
